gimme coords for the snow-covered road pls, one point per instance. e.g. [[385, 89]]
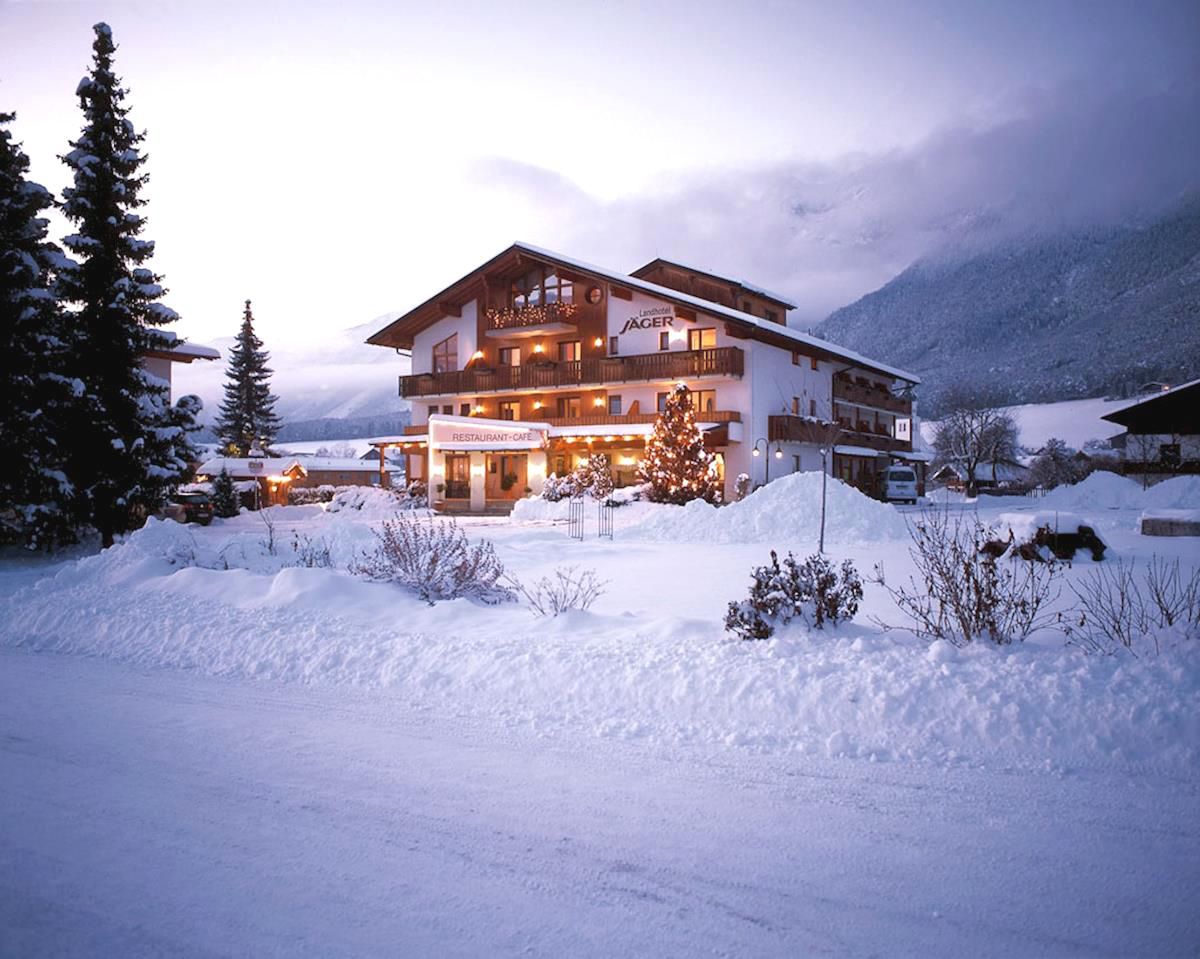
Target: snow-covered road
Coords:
[[164, 813]]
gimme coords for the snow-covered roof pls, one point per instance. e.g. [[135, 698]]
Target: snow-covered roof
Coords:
[[182, 350], [750, 287], [857, 451], [397, 440], [801, 339], [264, 466], [339, 464], [1153, 397]]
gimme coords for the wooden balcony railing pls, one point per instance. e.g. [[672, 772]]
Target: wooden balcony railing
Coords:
[[516, 318], [593, 371], [630, 419], [799, 429], [875, 397]]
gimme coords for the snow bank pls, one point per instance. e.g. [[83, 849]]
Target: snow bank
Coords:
[[1182, 492], [784, 510], [368, 500], [1099, 490]]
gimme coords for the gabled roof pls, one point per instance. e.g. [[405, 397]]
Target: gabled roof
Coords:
[[1174, 408], [237, 467], [732, 281], [399, 332]]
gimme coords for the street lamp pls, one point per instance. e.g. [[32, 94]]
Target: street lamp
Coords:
[[767, 449]]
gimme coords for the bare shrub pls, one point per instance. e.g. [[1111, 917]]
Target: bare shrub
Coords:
[[435, 559], [812, 591], [963, 592], [311, 553], [568, 588], [1118, 610]]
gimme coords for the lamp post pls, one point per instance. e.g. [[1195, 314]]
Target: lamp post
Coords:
[[767, 449]]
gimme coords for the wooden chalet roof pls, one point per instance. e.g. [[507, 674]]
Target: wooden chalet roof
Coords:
[[1176, 410], [521, 256], [751, 288]]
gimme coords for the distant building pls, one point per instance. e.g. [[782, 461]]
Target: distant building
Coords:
[[159, 362], [277, 475], [1162, 432], [1007, 474]]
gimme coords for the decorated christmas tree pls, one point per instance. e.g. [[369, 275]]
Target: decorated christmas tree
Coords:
[[247, 420], [676, 465], [128, 445]]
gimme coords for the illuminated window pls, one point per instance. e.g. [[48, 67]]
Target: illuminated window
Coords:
[[510, 410], [445, 354], [540, 286], [702, 339], [569, 352], [568, 406], [510, 356], [704, 401]]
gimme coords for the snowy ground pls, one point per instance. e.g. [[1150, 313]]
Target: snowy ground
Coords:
[[287, 760]]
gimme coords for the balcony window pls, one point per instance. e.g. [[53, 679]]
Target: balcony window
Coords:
[[704, 401], [661, 401], [445, 354], [614, 405], [702, 339], [614, 346], [568, 407], [569, 352], [664, 340], [510, 410], [541, 286], [510, 356], [464, 409], [795, 406]]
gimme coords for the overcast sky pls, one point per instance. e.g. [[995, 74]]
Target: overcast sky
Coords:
[[336, 161]]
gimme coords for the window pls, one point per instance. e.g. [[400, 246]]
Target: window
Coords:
[[569, 352], [613, 347], [1169, 455], [795, 406], [445, 354], [702, 339], [464, 409], [771, 316], [540, 286], [812, 361], [510, 410], [704, 401], [664, 340], [510, 356], [796, 463], [433, 410], [747, 307], [660, 401], [812, 408], [448, 410], [568, 406], [614, 405]]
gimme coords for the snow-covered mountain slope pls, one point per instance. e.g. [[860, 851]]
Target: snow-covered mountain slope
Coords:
[[336, 377], [1046, 318], [1072, 421]]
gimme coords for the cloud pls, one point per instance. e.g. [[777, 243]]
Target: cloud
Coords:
[[827, 233]]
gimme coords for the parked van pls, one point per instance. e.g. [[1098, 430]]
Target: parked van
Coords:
[[898, 484]]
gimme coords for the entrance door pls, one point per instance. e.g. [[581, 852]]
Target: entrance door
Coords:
[[458, 477], [506, 475]]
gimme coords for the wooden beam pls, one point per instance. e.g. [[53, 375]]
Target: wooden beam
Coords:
[[620, 292], [449, 308], [684, 313]]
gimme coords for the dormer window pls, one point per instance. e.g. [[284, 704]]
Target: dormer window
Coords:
[[541, 286]]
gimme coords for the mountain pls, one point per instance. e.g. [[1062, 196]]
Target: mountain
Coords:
[[332, 387], [1043, 318]]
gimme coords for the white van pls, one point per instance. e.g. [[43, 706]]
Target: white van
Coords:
[[898, 484]]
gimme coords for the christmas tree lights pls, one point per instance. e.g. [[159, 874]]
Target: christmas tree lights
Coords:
[[676, 465]]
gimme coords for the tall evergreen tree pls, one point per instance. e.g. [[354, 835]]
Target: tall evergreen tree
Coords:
[[125, 451], [35, 495], [247, 419], [676, 465]]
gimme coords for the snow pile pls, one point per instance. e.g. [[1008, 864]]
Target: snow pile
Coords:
[[1099, 490], [783, 510], [1025, 525], [368, 500], [1181, 492]]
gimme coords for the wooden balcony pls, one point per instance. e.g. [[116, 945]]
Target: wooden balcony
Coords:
[[848, 391], [800, 429], [543, 319], [593, 371], [632, 419]]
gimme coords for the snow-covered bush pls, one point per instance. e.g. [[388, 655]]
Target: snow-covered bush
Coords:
[[417, 493], [306, 495], [741, 487], [963, 590], [224, 496], [595, 476], [813, 591], [435, 559], [559, 487], [569, 588], [310, 552], [1117, 611]]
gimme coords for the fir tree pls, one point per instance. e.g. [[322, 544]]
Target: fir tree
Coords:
[[224, 495], [247, 419], [126, 446], [36, 505], [676, 465]]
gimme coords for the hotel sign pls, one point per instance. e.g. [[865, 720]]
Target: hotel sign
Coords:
[[655, 317], [461, 433], [494, 436]]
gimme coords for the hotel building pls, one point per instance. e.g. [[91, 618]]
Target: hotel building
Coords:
[[532, 361]]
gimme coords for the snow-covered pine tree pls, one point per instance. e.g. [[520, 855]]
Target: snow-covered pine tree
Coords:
[[247, 418], [36, 506], [676, 465], [125, 449], [224, 495]]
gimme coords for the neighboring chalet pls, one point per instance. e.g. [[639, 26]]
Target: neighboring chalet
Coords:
[[159, 362], [276, 476], [1162, 432], [532, 361], [1004, 475]]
